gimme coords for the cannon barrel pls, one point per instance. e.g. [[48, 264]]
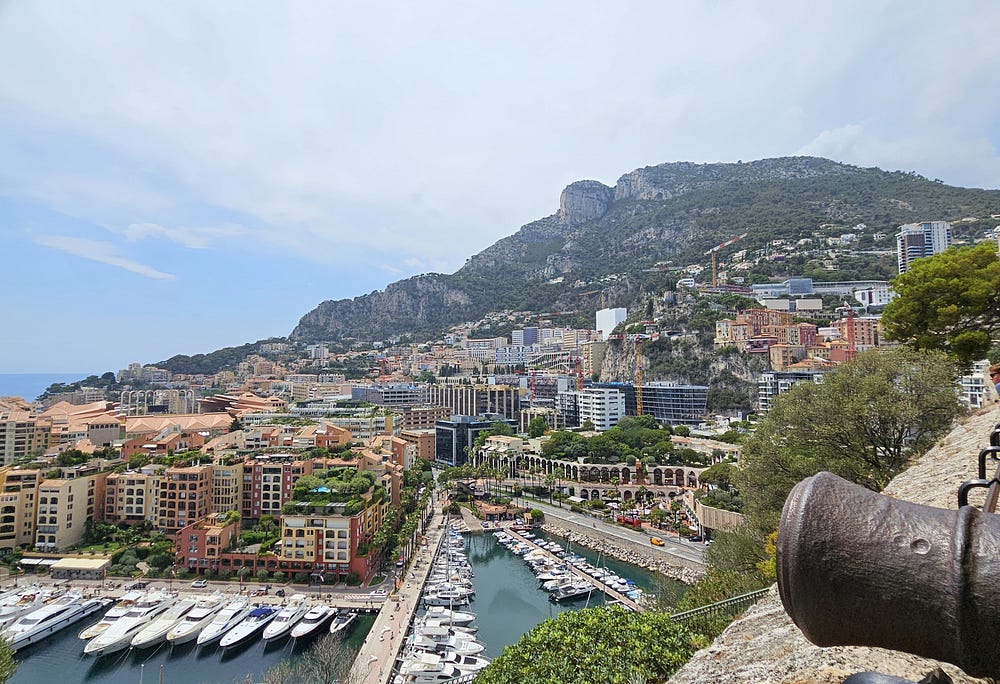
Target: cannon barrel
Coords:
[[857, 568]]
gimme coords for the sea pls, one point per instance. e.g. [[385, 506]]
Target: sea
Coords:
[[30, 385]]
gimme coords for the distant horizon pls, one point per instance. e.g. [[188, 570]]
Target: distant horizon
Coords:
[[29, 386]]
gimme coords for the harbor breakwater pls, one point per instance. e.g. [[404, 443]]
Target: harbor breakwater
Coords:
[[634, 553]]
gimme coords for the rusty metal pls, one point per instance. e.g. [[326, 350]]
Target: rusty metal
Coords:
[[857, 568]]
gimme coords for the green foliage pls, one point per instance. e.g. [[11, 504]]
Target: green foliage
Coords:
[[949, 302], [865, 422], [537, 427], [607, 645], [537, 515]]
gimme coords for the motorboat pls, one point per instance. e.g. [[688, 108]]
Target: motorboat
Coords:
[[25, 602], [119, 635], [463, 644], [420, 672], [570, 591], [224, 621], [444, 615], [196, 620], [286, 618], [426, 622], [466, 664], [249, 627], [155, 632], [313, 621], [342, 622], [49, 619], [445, 599], [123, 605]]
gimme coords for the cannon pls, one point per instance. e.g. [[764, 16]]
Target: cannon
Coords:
[[857, 568]]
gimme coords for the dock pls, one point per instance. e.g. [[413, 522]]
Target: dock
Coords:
[[593, 581]]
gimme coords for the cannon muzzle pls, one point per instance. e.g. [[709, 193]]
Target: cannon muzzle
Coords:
[[857, 568]]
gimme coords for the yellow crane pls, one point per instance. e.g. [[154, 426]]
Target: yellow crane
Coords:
[[715, 277]]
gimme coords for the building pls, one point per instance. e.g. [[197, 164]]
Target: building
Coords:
[[268, 482], [917, 240], [475, 400], [64, 507], [771, 385], [602, 406], [18, 501], [200, 545], [185, 496], [398, 394], [608, 319], [423, 441], [669, 403], [133, 496], [227, 487], [422, 417], [454, 438]]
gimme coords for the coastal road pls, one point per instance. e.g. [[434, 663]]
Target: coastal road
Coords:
[[673, 549]]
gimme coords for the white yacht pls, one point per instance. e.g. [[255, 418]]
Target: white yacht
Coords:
[[199, 617], [425, 673], [42, 622], [454, 617], [286, 618], [342, 622], [155, 632], [249, 626], [119, 635], [25, 602], [224, 621], [313, 621], [119, 609]]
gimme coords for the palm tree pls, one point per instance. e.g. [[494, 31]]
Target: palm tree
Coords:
[[550, 482]]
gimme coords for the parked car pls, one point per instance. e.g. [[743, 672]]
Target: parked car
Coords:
[[696, 538], [199, 584], [656, 541], [379, 593]]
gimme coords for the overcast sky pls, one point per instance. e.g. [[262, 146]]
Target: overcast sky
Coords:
[[178, 177]]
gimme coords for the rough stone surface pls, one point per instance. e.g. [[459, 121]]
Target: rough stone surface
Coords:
[[765, 647]]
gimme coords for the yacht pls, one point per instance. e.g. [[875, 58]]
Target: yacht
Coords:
[[420, 672], [446, 616], [224, 621], [460, 644], [42, 622], [25, 602], [119, 609], [313, 621], [119, 635], [570, 591], [249, 626], [342, 622], [286, 618], [199, 617], [155, 632], [446, 598]]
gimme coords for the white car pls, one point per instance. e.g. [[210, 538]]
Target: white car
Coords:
[[379, 593], [199, 584]]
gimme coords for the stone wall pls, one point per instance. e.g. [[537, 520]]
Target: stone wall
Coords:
[[765, 647]]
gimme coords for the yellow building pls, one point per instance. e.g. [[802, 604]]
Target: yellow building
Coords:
[[185, 497], [18, 500], [132, 497], [64, 506], [227, 487]]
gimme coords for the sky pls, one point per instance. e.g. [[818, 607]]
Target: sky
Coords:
[[180, 177]]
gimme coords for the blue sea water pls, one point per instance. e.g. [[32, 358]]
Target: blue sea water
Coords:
[[30, 385]]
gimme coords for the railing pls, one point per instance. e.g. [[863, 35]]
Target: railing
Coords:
[[739, 602]]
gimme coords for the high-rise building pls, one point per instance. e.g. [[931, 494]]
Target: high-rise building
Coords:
[[602, 406], [916, 240], [607, 319]]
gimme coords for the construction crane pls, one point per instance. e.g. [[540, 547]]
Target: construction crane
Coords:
[[638, 376], [715, 276]]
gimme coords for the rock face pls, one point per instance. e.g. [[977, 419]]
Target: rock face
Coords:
[[584, 201], [765, 647], [419, 304]]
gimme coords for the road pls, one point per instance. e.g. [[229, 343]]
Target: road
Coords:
[[691, 553]]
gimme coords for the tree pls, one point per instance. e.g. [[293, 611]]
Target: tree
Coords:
[[537, 427], [608, 645], [948, 302], [7, 663], [864, 422], [329, 661], [236, 425]]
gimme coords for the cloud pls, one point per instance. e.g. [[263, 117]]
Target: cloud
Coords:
[[101, 252], [194, 238]]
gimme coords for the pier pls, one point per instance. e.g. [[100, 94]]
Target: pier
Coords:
[[597, 584]]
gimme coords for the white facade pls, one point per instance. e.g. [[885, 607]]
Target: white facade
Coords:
[[602, 406], [607, 319], [974, 386], [916, 240]]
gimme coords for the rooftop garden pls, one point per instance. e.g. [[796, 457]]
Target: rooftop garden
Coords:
[[354, 490]]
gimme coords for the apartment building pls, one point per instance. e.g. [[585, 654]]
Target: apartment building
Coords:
[[771, 385], [394, 394], [133, 496], [422, 441], [268, 482], [18, 506], [453, 438], [20, 435], [227, 487], [475, 400], [185, 497], [64, 506], [421, 417], [171, 440], [202, 543], [916, 240], [602, 406], [867, 331]]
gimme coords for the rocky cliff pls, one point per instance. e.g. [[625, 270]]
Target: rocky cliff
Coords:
[[765, 647], [602, 246]]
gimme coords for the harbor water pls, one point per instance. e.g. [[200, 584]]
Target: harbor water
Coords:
[[60, 659], [509, 601]]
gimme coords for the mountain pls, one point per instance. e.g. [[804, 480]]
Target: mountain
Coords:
[[600, 248]]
